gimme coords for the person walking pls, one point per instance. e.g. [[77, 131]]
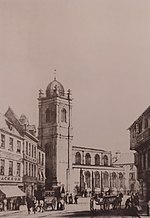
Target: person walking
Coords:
[[67, 198], [70, 199], [5, 204], [41, 205], [132, 200], [128, 203], [34, 203], [120, 199], [76, 199], [136, 199], [29, 204], [148, 208]]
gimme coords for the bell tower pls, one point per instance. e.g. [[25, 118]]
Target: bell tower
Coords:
[[55, 133]]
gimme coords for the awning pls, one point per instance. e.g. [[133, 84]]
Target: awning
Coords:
[[12, 191]]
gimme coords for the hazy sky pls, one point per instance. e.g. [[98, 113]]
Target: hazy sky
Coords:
[[101, 50]]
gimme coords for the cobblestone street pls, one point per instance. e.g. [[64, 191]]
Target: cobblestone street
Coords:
[[82, 209]]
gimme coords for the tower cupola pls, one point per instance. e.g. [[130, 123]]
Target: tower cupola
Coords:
[[55, 88]]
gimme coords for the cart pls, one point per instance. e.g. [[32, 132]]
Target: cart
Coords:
[[103, 203], [50, 200], [54, 198]]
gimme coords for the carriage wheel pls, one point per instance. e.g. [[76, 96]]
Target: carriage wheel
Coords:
[[53, 204], [45, 206], [106, 204]]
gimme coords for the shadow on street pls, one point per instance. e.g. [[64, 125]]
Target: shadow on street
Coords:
[[114, 213]]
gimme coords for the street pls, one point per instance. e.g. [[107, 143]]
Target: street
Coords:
[[82, 209]]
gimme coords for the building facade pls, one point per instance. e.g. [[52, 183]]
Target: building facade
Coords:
[[31, 164], [126, 160], [11, 162], [11, 154], [93, 171], [140, 142]]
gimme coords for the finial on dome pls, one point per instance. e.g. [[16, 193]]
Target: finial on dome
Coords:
[[40, 93], [54, 74], [69, 93]]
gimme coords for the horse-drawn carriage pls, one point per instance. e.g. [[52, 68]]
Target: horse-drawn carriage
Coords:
[[54, 199], [50, 200], [103, 203]]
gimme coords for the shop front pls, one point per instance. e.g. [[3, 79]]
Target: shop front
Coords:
[[10, 197]]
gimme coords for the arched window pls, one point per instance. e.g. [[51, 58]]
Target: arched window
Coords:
[[47, 115], [63, 115], [97, 160], [114, 180], [78, 158], [97, 180], [105, 160], [121, 179], [106, 183], [88, 159], [87, 179]]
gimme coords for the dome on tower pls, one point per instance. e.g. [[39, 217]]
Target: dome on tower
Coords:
[[54, 88]]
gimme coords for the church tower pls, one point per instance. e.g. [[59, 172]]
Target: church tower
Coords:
[[55, 133]]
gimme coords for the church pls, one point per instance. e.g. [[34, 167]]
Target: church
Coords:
[[79, 169]]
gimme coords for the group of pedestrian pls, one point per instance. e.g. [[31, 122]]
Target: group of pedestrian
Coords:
[[34, 205], [117, 201], [10, 204], [132, 201], [70, 199]]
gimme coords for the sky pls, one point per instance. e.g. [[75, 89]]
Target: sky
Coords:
[[101, 51]]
